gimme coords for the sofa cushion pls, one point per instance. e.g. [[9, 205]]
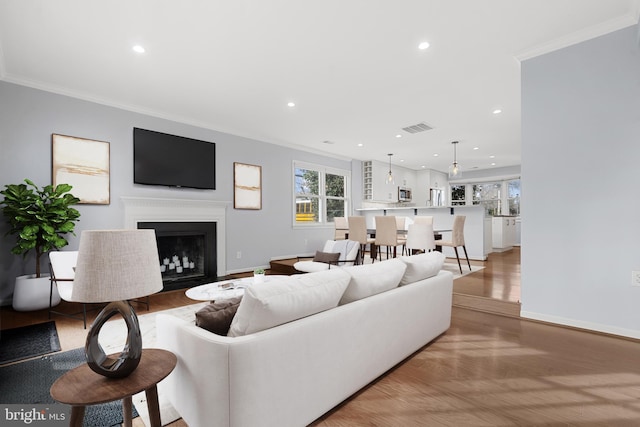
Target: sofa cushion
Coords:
[[371, 279], [289, 298], [327, 257], [421, 266], [217, 316]]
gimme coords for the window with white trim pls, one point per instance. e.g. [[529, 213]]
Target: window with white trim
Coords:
[[320, 193]]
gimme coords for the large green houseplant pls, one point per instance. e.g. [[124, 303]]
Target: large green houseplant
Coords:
[[39, 217]]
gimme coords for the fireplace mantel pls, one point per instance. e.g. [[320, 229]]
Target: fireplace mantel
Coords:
[[147, 209]]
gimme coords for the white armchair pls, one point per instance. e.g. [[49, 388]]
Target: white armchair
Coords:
[[348, 251]]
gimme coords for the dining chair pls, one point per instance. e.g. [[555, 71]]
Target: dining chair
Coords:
[[457, 239], [341, 227], [401, 227], [420, 238], [423, 219], [387, 234], [358, 232]]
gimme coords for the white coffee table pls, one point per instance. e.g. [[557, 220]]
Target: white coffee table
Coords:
[[226, 289]]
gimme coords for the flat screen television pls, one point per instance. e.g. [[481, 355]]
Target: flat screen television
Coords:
[[174, 161]]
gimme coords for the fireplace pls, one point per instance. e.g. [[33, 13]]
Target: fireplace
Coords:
[[187, 252], [205, 213]]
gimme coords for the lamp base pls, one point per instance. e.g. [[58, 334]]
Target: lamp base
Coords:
[[123, 364]]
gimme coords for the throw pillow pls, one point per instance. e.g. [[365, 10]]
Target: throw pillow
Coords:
[[217, 316], [421, 266], [327, 257], [371, 279], [288, 299]]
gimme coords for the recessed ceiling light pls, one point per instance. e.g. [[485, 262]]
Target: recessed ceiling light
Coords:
[[361, 145], [423, 166], [492, 157], [291, 104], [423, 45], [493, 164], [497, 111], [401, 160], [436, 155], [398, 136], [139, 49], [476, 148]]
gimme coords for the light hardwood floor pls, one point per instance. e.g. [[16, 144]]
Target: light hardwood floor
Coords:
[[486, 370]]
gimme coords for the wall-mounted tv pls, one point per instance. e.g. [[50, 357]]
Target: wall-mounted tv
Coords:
[[174, 161]]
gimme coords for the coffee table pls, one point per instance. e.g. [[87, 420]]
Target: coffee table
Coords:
[[226, 289]]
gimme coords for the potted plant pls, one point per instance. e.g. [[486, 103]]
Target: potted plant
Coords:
[[39, 218], [258, 275]]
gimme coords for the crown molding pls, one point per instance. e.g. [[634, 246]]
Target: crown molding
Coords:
[[579, 36]]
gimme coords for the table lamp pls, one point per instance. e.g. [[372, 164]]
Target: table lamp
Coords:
[[115, 266]]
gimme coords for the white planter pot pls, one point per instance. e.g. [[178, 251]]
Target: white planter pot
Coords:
[[31, 293], [258, 278]]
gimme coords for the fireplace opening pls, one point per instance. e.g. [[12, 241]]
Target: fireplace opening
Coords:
[[186, 251]]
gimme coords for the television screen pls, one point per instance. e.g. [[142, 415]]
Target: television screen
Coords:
[[175, 161]]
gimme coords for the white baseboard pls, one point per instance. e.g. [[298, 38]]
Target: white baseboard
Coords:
[[597, 327]]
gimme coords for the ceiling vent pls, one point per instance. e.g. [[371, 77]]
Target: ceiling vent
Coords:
[[420, 127]]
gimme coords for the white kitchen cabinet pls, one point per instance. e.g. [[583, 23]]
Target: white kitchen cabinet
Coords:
[[503, 231], [373, 183]]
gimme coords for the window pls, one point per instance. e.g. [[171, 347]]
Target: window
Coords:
[[458, 195], [320, 193], [488, 194], [513, 197]]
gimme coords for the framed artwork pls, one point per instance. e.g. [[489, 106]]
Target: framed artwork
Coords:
[[83, 164], [247, 186]]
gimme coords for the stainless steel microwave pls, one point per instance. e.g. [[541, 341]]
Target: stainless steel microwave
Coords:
[[404, 194]]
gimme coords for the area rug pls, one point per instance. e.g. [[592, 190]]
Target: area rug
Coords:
[[28, 341], [453, 268], [29, 383]]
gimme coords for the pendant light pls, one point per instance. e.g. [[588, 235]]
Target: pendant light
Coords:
[[389, 180], [455, 171]]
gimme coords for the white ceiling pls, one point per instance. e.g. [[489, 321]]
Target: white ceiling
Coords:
[[352, 67]]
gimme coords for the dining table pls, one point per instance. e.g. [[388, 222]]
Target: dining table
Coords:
[[437, 235]]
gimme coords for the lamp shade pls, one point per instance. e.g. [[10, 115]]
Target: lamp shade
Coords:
[[115, 265]]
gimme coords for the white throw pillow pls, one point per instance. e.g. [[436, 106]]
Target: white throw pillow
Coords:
[[371, 279], [422, 266], [270, 304]]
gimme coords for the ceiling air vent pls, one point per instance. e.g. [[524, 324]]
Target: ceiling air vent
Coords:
[[420, 127]]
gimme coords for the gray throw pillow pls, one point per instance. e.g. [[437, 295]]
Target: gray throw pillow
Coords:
[[327, 257], [217, 316]]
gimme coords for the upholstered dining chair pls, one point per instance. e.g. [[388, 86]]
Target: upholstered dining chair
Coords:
[[387, 235], [401, 226], [341, 227], [423, 219], [420, 238], [457, 239], [358, 232]]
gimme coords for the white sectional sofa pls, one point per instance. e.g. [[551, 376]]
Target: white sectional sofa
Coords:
[[293, 373]]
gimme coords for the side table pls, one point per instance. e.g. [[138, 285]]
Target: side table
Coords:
[[81, 387]]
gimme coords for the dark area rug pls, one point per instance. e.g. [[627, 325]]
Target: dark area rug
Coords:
[[30, 381], [28, 341]]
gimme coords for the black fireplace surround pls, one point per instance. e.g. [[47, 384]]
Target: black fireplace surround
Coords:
[[187, 253]]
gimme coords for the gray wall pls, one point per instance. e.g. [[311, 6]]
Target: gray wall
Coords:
[[580, 151], [28, 117]]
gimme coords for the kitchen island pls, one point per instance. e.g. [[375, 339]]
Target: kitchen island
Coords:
[[477, 231]]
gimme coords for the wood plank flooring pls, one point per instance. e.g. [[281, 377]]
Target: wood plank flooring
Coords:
[[486, 370]]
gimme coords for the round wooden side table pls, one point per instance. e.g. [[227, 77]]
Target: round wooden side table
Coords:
[[81, 387]]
